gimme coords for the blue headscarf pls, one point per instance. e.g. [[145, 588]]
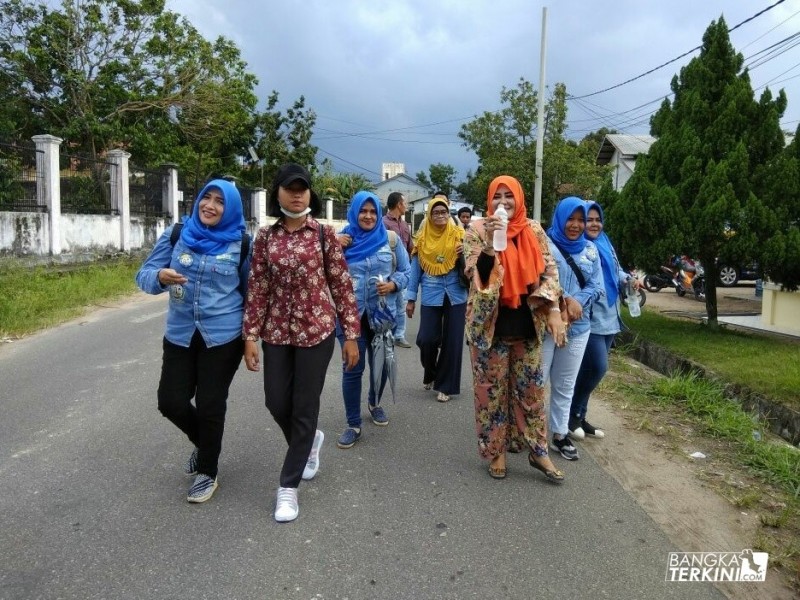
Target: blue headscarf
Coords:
[[561, 215], [214, 240], [607, 256], [365, 243]]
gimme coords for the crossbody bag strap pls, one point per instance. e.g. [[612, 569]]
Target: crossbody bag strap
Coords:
[[575, 268]]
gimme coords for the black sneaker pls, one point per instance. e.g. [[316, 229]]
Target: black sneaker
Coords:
[[565, 447], [591, 430], [575, 428]]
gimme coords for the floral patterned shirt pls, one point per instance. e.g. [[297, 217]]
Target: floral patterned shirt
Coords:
[[288, 297]]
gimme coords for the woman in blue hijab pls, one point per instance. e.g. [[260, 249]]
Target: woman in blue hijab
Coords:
[[204, 269], [604, 326], [581, 280], [379, 268]]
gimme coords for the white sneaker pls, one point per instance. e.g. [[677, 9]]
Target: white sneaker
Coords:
[[312, 464], [286, 508], [578, 433]]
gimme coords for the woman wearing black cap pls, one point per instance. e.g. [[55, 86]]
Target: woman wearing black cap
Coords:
[[295, 262]]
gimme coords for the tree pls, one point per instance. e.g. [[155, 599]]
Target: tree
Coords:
[[442, 178], [699, 191], [505, 143], [119, 73]]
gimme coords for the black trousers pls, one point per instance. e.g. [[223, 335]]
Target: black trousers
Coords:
[[293, 382], [441, 345], [205, 374]]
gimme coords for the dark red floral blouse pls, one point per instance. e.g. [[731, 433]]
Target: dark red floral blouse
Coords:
[[288, 303]]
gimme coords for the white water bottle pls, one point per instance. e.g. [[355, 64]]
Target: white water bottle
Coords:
[[499, 241], [632, 298]]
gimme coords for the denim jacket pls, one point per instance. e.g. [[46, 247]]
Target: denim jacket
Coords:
[[605, 318], [211, 301], [588, 261], [363, 273], [434, 287]]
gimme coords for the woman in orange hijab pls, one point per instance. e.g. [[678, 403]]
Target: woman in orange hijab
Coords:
[[513, 299]]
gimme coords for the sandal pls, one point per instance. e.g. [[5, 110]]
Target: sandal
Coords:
[[428, 386], [553, 475], [495, 471], [442, 397]]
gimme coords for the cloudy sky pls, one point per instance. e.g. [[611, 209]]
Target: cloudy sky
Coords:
[[394, 80]]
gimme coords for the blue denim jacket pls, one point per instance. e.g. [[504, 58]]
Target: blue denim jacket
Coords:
[[435, 287], [211, 301], [606, 319], [362, 274], [588, 261]]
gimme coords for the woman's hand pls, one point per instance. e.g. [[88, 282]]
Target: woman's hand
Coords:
[[170, 277], [410, 309], [344, 239], [349, 354], [251, 355], [574, 310], [386, 287], [557, 328]]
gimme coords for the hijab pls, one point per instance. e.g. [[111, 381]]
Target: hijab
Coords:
[[215, 239], [522, 259], [607, 256], [365, 243], [437, 247], [561, 215]]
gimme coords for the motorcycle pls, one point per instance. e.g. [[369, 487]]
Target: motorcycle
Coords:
[[656, 282], [688, 270]]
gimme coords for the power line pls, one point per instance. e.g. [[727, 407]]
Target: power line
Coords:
[[669, 62]]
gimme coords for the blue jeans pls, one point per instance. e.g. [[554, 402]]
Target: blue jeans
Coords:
[[400, 309], [351, 380], [561, 366], [593, 369]]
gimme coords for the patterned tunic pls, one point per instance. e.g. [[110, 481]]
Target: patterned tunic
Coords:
[[290, 301], [509, 404]]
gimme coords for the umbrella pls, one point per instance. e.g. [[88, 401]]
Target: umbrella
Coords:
[[382, 362]]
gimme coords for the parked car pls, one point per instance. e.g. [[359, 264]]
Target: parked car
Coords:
[[730, 274]]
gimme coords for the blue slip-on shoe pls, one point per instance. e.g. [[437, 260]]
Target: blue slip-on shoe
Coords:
[[379, 416], [348, 438]]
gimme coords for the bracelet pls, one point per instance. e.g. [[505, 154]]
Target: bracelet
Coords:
[[555, 309]]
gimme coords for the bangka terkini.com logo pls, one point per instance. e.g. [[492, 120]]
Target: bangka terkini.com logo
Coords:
[[717, 566]]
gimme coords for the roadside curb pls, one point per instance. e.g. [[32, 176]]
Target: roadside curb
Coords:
[[782, 420]]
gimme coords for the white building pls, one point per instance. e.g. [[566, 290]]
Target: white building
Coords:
[[392, 169]]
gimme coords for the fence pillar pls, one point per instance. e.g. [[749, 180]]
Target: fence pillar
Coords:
[[120, 195], [169, 195], [329, 209], [48, 185], [259, 208]]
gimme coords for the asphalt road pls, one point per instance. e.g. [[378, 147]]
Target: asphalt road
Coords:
[[93, 495]]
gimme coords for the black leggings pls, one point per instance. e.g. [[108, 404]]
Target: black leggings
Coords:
[[205, 374], [293, 382]]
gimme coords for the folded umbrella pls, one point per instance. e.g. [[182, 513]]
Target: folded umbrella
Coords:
[[383, 365]]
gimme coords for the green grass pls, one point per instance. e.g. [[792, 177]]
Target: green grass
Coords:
[[767, 365], [37, 297], [777, 462]]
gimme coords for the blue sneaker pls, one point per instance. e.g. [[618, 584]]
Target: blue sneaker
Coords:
[[348, 438], [379, 416], [202, 488], [191, 464]]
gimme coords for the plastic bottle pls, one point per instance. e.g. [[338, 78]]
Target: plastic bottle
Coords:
[[632, 298], [499, 240]]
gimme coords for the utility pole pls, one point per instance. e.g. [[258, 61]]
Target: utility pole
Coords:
[[537, 188]]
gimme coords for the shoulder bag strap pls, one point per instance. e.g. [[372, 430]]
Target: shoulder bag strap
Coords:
[[573, 266]]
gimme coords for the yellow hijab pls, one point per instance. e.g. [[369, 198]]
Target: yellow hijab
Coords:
[[436, 247]]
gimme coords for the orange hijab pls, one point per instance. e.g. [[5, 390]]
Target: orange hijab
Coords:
[[522, 260]]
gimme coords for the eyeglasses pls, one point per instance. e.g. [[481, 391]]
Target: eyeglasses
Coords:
[[439, 213]]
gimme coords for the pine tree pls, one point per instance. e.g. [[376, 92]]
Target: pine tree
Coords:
[[699, 190]]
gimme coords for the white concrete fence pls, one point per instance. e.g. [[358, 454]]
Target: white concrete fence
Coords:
[[57, 234]]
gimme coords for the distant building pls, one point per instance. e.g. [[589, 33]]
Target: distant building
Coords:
[[620, 151], [392, 169]]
